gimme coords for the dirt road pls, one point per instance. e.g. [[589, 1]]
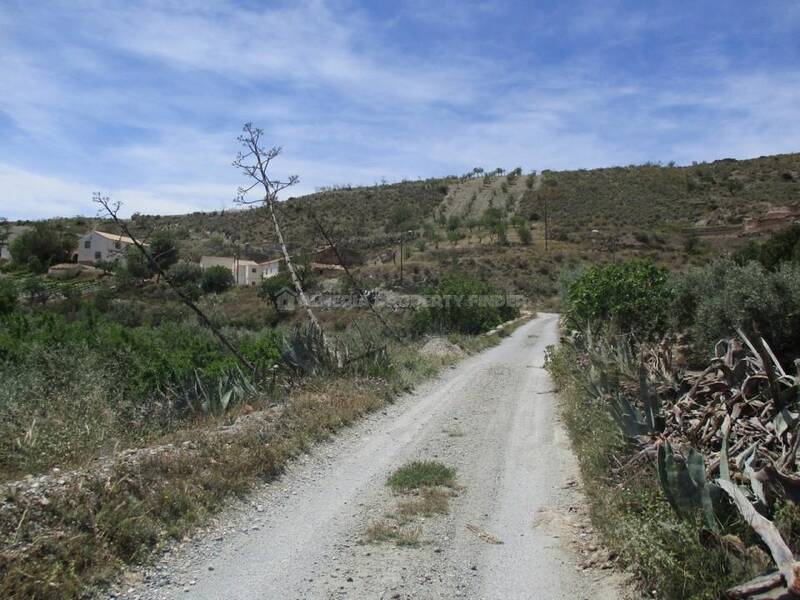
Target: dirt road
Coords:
[[492, 418]]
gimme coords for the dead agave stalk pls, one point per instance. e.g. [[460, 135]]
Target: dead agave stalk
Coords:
[[788, 568], [254, 162]]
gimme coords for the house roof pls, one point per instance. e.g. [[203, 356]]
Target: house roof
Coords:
[[271, 262], [113, 237], [227, 261]]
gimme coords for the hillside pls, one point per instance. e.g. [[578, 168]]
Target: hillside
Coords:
[[633, 200], [672, 215]]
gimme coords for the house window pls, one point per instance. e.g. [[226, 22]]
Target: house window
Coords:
[[254, 270], [117, 245], [97, 256], [87, 244]]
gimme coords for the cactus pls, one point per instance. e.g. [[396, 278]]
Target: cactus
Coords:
[[630, 420], [684, 483], [652, 407]]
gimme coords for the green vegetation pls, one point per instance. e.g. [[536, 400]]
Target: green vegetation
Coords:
[[626, 296], [419, 474], [273, 286], [217, 279], [78, 384], [714, 300], [657, 197], [627, 396], [42, 246], [665, 552], [9, 296], [782, 247], [461, 304]]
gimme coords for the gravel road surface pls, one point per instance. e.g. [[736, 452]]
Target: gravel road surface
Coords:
[[492, 418]]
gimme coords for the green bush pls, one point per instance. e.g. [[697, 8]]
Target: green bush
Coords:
[[713, 300], [524, 233], [41, 246], [630, 296], [8, 296], [187, 276], [460, 304], [217, 279], [782, 247], [271, 288]]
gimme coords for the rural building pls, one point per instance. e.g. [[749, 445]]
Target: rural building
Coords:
[[98, 246], [245, 272]]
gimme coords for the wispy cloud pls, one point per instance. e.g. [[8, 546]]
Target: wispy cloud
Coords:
[[144, 100]]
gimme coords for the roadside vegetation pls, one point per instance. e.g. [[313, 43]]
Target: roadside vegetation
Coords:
[[685, 419], [102, 366], [124, 423]]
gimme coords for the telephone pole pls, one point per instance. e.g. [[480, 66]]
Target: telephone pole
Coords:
[[402, 235], [545, 223]]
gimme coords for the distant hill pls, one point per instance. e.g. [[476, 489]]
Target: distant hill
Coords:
[[652, 211]]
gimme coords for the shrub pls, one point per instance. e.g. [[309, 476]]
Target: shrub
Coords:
[[41, 246], [632, 296], [8, 296], [782, 247], [187, 276], [713, 300], [272, 287], [216, 280], [524, 233], [164, 249], [463, 305]]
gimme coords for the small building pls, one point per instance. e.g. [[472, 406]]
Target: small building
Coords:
[[98, 246], [245, 272]]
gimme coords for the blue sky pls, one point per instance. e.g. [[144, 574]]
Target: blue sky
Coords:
[[144, 100]]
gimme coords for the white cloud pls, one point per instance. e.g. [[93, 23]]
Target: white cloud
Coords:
[[145, 100]]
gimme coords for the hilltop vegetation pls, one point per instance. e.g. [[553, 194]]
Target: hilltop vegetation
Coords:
[[650, 198]]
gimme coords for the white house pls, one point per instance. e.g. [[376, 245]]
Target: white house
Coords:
[[245, 272], [97, 245]]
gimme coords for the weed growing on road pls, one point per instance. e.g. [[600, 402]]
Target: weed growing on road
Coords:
[[421, 473], [430, 501], [390, 531]]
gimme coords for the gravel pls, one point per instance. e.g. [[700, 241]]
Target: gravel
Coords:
[[492, 418]]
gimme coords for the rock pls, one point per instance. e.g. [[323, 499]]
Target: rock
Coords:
[[438, 347]]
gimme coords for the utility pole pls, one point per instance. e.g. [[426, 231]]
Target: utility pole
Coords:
[[545, 223], [402, 235]]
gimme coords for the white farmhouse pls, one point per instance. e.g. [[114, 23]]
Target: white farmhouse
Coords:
[[245, 272], [99, 246]]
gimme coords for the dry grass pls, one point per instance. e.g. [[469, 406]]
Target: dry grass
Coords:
[[430, 501], [85, 531], [392, 531]]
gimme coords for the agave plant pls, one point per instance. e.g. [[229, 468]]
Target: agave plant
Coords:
[[306, 351], [683, 481], [204, 397]]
